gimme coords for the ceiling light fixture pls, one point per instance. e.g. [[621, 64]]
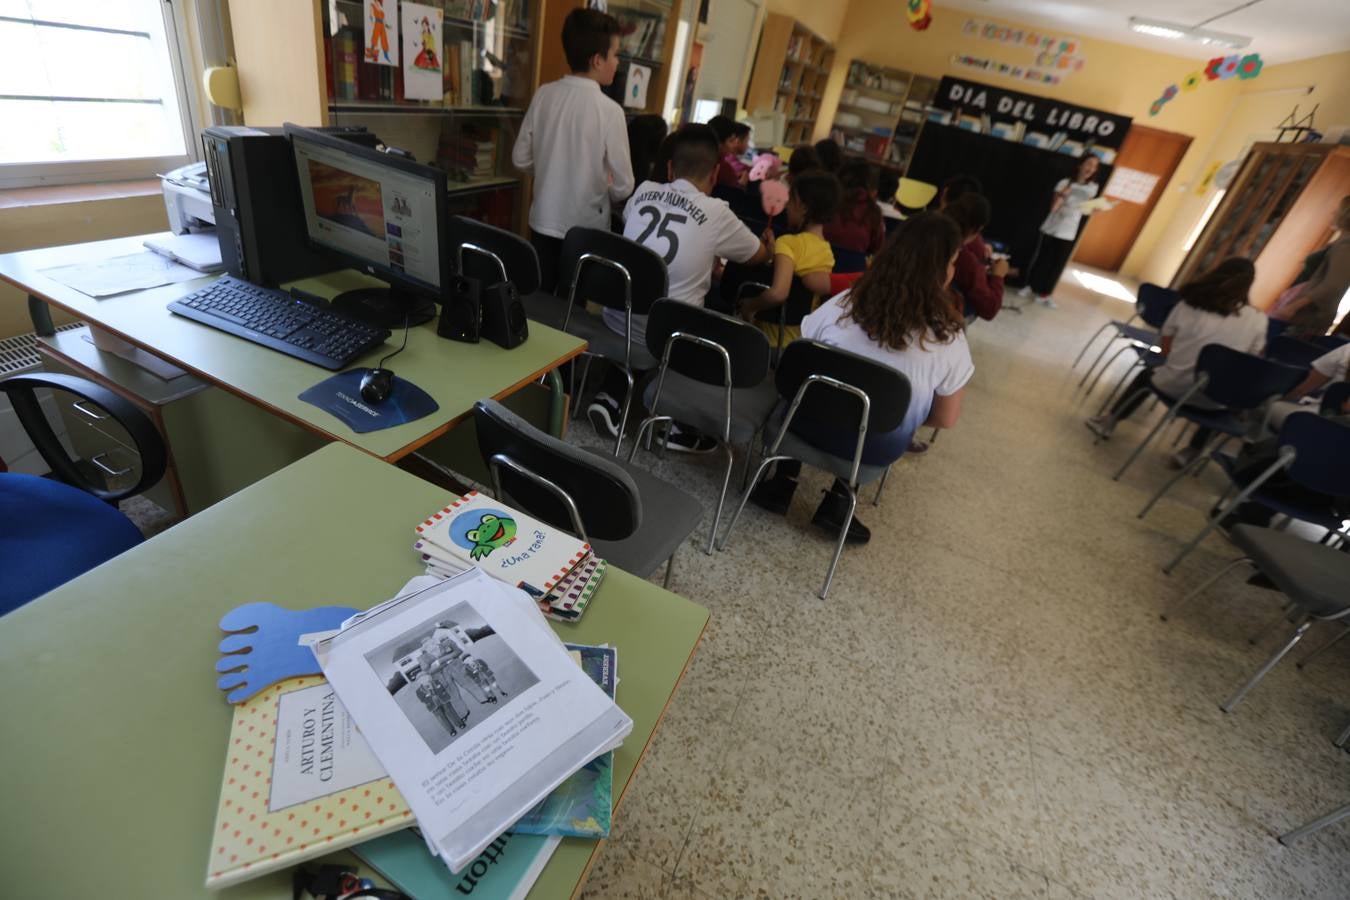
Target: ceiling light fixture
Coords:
[[1176, 32]]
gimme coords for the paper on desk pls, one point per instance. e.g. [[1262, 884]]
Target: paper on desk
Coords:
[[120, 274]]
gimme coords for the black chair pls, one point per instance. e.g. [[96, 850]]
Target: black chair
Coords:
[[52, 529], [712, 377], [492, 255], [791, 311], [848, 260], [825, 390], [1334, 399], [614, 272], [601, 500], [1315, 579]]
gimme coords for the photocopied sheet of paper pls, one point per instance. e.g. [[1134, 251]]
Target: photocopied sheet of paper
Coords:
[[121, 274]]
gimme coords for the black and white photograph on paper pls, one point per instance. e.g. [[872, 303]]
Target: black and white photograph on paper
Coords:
[[450, 674]]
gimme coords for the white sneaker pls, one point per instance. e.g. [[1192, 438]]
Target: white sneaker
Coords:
[[1182, 458], [1024, 291], [1101, 426], [1047, 302], [604, 413]]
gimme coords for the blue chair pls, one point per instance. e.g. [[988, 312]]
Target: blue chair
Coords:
[[1237, 381], [1313, 454], [1334, 398], [52, 529], [1153, 306], [848, 260], [1293, 351], [1327, 342]]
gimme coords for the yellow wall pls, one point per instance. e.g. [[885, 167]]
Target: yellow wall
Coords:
[[1250, 115], [1116, 78], [23, 228], [824, 17]]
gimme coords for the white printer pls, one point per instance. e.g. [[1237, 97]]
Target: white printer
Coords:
[[187, 198]]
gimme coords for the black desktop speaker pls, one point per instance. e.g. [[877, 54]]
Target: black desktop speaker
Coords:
[[461, 312], [504, 320]]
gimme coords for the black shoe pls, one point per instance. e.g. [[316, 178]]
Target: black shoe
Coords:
[[687, 440], [775, 495], [604, 413], [1262, 580], [829, 517]]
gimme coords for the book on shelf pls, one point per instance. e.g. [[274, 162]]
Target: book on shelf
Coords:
[[471, 704], [506, 870]]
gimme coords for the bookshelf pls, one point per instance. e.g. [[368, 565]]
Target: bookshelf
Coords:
[[486, 82], [791, 67], [880, 113]]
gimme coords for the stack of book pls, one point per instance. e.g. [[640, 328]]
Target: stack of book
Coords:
[[468, 153], [452, 707], [560, 572]]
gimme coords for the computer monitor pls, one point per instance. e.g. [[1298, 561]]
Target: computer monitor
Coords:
[[381, 213]]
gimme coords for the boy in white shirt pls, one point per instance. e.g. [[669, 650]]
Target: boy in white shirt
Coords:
[[690, 230], [575, 141]]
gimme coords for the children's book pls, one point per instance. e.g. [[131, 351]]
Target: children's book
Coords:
[[572, 595], [506, 870], [300, 781], [583, 804], [506, 544]]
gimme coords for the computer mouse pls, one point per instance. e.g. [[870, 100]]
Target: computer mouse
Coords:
[[376, 385]]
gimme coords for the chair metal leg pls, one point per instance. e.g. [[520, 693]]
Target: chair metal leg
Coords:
[[1120, 385], [1091, 368], [1162, 423], [1309, 658], [579, 389], [839, 544], [1205, 585], [745, 496], [1283, 617], [1181, 433], [881, 486], [670, 567], [1171, 482], [1096, 334], [1304, 623], [1330, 818], [1102, 371], [623, 416], [933, 438], [721, 498], [1343, 738], [1224, 509]]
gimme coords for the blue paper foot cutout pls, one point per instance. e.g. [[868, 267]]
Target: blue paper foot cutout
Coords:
[[263, 647]]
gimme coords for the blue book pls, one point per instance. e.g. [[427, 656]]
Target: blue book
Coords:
[[504, 871], [583, 804]]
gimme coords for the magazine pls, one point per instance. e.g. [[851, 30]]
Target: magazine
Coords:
[[471, 705]]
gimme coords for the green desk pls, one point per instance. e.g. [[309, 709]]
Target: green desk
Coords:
[[115, 734], [455, 374]]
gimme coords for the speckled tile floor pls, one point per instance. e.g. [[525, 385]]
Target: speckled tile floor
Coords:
[[987, 705]]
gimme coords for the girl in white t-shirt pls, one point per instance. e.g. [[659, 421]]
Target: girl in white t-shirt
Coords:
[[1054, 244], [1213, 310], [901, 313]]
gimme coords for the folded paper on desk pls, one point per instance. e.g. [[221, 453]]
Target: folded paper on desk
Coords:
[[471, 705], [121, 274], [199, 250]]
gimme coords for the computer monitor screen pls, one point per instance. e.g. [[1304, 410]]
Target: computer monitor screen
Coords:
[[384, 213]]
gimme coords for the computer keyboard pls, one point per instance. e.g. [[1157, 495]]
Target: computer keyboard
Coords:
[[278, 321]]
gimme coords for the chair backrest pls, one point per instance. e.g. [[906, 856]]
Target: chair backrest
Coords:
[[605, 496], [1292, 351], [747, 348], [846, 260], [1242, 381], [798, 305], [888, 391], [1335, 398], [842, 281], [1155, 303], [21, 390], [1327, 342], [516, 254], [603, 268], [1322, 460]]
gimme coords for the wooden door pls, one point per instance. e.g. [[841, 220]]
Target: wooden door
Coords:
[[1148, 154]]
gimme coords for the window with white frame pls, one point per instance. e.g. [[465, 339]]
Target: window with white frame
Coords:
[[91, 90]]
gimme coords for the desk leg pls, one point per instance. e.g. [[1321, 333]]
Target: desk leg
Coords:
[[41, 314], [557, 410]]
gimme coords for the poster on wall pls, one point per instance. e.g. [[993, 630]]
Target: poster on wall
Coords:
[[1028, 119], [381, 32], [422, 52]]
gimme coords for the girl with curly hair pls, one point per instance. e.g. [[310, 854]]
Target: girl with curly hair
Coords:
[[902, 314]]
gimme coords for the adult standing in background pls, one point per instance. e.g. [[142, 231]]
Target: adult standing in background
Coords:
[[1054, 244], [1310, 306]]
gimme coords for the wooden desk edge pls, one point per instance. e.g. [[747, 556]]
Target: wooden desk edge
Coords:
[[398, 454], [599, 845]]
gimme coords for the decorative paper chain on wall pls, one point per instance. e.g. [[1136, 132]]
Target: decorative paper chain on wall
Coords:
[[1220, 68], [919, 13], [1052, 52]]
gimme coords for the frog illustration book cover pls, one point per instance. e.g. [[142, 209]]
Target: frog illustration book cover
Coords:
[[503, 542]]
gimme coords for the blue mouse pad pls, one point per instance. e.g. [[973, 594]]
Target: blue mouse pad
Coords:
[[341, 396]]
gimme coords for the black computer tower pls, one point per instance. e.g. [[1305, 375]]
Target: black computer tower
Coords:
[[256, 197]]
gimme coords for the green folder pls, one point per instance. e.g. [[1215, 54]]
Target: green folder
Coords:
[[504, 871]]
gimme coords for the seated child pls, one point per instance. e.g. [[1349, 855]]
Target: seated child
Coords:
[[900, 313], [1213, 310], [888, 184], [733, 139], [812, 203], [979, 279], [857, 226]]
